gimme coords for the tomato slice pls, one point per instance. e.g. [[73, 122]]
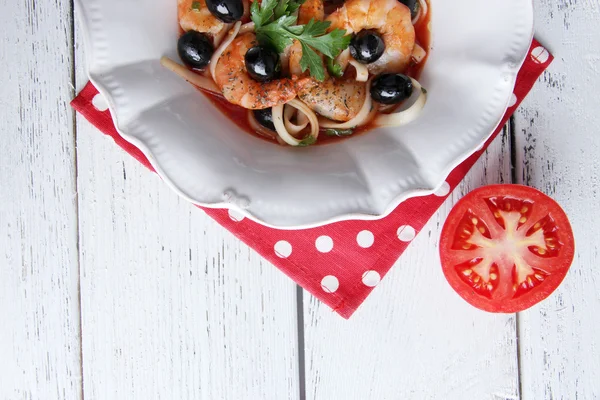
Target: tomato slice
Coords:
[[505, 248]]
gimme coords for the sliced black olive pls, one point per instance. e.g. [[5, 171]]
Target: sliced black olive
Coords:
[[265, 118], [195, 49], [366, 47], [262, 63], [226, 10], [413, 5], [391, 88]]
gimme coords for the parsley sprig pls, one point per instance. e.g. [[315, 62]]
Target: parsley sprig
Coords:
[[275, 25]]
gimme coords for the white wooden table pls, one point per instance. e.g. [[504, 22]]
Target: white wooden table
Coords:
[[111, 287]]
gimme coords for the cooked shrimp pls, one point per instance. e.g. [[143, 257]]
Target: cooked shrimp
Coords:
[[311, 9], [388, 17], [194, 15], [336, 99], [239, 88]]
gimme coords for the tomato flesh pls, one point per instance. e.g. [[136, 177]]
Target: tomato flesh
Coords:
[[505, 248]]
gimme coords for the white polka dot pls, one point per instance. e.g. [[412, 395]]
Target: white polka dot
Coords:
[[443, 190], [283, 249], [406, 233], [371, 278], [513, 100], [330, 284], [235, 215], [540, 55], [365, 239], [324, 244], [99, 102]]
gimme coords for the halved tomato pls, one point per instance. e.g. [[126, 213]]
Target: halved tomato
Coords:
[[505, 248]]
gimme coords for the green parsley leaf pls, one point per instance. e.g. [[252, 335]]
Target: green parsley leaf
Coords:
[[274, 39], [280, 9], [339, 132], [296, 29], [333, 68], [330, 44], [311, 60], [276, 34], [275, 26], [287, 21], [255, 13], [316, 28], [287, 7], [294, 5], [196, 5], [263, 14], [307, 141]]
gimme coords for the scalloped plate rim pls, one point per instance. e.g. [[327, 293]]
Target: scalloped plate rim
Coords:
[[361, 215]]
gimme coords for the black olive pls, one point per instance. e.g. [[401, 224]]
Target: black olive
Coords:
[[195, 49], [391, 88], [262, 63], [366, 47], [413, 5], [265, 118], [226, 10]]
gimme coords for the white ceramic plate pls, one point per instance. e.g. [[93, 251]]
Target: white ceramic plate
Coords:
[[477, 49]]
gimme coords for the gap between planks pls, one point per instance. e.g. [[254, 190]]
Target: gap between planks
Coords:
[[512, 133], [76, 199], [301, 344]]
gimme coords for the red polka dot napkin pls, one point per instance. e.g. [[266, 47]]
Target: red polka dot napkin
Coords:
[[339, 263]]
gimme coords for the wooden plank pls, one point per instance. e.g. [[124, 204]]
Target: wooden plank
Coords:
[[414, 338], [173, 306], [39, 303], [558, 146]]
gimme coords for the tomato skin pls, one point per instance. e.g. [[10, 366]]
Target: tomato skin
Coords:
[[553, 264]]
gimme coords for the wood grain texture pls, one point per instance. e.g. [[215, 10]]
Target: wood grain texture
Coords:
[[414, 338], [39, 310], [173, 305], [558, 148]]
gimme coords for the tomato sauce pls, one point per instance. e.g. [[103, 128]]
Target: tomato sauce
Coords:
[[239, 115], [423, 39]]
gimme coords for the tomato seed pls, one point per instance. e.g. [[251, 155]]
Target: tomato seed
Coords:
[[524, 210], [539, 277], [523, 220], [474, 221], [493, 276], [467, 272], [541, 251]]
